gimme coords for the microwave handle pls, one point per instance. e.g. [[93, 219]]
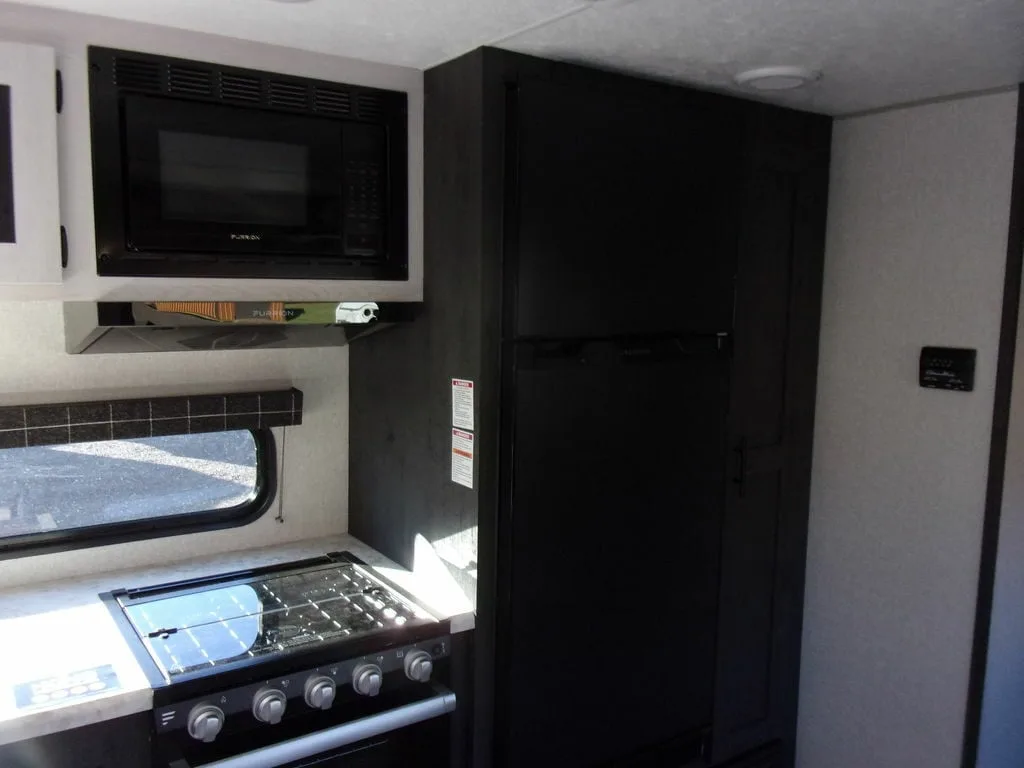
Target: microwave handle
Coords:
[[310, 745]]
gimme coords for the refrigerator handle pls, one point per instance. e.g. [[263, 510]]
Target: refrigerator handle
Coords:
[[739, 479]]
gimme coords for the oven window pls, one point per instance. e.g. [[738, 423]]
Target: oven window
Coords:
[[229, 180], [83, 494]]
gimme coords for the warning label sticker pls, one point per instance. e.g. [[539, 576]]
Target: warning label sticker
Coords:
[[462, 404], [462, 457]]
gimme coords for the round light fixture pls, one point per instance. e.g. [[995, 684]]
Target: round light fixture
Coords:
[[781, 78]]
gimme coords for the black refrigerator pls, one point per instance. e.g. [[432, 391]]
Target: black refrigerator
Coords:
[[618, 282], [587, 246], [611, 541]]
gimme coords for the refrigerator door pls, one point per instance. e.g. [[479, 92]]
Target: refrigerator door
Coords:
[[621, 217], [611, 539]]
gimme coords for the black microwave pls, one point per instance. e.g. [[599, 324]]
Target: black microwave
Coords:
[[201, 170]]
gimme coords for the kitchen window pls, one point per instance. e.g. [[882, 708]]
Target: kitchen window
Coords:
[[91, 493]]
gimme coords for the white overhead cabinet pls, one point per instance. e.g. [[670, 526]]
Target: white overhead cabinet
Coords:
[[30, 240]]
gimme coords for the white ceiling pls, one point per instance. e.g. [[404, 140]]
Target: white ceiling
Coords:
[[873, 53]]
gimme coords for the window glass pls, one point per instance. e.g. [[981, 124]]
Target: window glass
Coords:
[[76, 486]]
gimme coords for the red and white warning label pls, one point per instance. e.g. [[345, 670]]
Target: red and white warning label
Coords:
[[462, 404], [462, 457]]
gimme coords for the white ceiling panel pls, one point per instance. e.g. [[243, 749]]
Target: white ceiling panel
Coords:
[[412, 33], [873, 53]]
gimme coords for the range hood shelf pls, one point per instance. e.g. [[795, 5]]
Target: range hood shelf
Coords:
[[158, 326]]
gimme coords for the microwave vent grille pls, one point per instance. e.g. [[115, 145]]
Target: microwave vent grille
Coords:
[[136, 74], [288, 95], [240, 88], [368, 107], [190, 80], [334, 101], [243, 87]]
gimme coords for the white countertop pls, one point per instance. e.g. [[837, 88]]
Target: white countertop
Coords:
[[54, 629]]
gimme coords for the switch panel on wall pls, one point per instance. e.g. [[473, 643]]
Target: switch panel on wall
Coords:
[[30, 239], [948, 368]]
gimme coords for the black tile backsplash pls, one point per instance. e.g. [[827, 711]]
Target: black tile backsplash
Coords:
[[47, 416], [129, 430], [91, 433], [49, 436], [127, 410], [91, 413], [12, 418], [208, 423], [237, 422], [207, 406], [36, 425], [243, 403], [168, 409], [162, 427]]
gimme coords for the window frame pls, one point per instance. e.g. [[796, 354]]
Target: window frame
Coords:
[[49, 542]]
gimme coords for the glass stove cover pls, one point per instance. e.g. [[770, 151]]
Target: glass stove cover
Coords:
[[196, 629]]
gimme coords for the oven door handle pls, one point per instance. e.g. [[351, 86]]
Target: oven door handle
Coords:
[[342, 735]]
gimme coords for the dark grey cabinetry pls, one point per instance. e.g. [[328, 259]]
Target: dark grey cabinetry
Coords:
[[630, 274], [782, 200], [120, 743]]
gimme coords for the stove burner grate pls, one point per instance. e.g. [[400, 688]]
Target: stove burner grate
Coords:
[[225, 623]]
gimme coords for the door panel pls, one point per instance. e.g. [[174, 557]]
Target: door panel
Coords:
[[746, 684], [771, 424], [622, 214], [614, 546]]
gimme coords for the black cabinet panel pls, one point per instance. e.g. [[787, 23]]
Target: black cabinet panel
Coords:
[[120, 743], [762, 313], [750, 533], [6, 168], [770, 757], [771, 428], [614, 525], [623, 206]]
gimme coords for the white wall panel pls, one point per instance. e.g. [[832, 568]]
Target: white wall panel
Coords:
[[916, 252]]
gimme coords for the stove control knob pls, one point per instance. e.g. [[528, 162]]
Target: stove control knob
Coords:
[[205, 722], [367, 679], [418, 666], [268, 705], [319, 692]]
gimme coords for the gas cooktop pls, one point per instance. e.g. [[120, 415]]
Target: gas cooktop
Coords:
[[237, 619], [267, 666]]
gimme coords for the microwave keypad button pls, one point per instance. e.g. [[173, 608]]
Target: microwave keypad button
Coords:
[[357, 244]]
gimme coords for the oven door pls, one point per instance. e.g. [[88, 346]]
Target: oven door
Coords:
[[207, 178], [416, 733]]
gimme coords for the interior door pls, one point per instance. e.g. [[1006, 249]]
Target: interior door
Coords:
[[771, 422], [612, 538], [30, 250], [622, 208]]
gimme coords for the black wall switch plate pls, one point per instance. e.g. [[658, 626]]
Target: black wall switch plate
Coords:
[[948, 368]]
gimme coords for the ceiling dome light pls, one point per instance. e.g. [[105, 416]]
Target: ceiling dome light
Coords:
[[782, 78]]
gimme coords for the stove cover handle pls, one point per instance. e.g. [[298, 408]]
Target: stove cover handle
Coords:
[[310, 745]]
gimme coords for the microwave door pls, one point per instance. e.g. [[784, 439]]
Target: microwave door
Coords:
[[208, 178]]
